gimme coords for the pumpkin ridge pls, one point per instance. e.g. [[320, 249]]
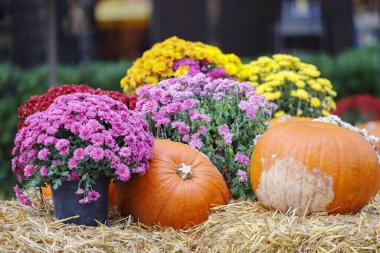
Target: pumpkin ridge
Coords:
[[159, 213], [209, 193], [216, 187], [153, 196]]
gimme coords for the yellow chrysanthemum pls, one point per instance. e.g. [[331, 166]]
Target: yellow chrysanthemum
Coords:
[[303, 91], [157, 63], [315, 102], [302, 94], [325, 113], [182, 70], [279, 114]]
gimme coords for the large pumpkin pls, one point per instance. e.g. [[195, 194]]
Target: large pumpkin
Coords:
[[287, 118], [177, 191], [314, 167]]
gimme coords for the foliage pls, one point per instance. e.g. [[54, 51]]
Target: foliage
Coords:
[[352, 72], [221, 118]]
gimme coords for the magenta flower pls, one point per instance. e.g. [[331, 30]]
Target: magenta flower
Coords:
[[72, 163], [21, 197], [97, 154], [43, 154], [32, 153], [62, 144], [241, 158], [93, 195], [97, 139], [182, 127], [85, 133], [49, 140], [123, 172], [195, 142], [79, 154], [242, 176], [74, 176], [93, 125], [43, 171], [225, 132], [28, 170]]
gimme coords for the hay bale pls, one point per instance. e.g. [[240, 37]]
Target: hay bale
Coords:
[[237, 227]]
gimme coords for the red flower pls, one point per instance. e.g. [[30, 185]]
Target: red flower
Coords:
[[42, 102], [363, 104]]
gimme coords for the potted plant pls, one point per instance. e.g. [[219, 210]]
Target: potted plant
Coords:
[[77, 146], [221, 118]]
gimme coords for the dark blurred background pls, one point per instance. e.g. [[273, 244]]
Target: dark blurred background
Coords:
[[52, 42]]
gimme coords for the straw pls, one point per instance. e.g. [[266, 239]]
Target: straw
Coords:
[[236, 227]]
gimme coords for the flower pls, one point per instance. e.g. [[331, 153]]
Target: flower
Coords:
[[188, 109], [242, 176], [93, 195], [79, 154], [28, 170], [358, 108], [87, 123], [42, 102], [241, 158], [43, 171], [175, 57], [97, 154], [43, 154], [21, 197], [225, 132], [296, 87], [315, 102]]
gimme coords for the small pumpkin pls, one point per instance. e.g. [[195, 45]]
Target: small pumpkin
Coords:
[[287, 118], [313, 167], [178, 190]]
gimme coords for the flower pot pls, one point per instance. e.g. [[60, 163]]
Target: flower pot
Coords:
[[66, 203]]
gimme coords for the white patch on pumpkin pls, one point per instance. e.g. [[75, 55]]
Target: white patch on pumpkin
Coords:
[[289, 185]]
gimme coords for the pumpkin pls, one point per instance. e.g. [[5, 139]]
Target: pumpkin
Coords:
[[177, 191], [287, 118], [373, 127], [314, 167], [46, 191]]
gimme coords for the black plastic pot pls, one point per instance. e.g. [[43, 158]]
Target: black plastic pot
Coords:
[[66, 203]]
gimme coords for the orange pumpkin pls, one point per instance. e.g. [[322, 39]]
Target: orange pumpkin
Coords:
[[287, 118], [177, 191], [373, 127], [312, 167], [46, 191]]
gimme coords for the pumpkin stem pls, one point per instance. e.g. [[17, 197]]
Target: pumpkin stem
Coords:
[[184, 171]]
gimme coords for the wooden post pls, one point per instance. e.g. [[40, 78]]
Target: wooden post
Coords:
[[29, 28], [246, 27], [183, 18], [52, 42], [338, 19]]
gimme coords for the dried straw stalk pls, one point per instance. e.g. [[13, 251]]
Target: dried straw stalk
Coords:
[[237, 227]]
